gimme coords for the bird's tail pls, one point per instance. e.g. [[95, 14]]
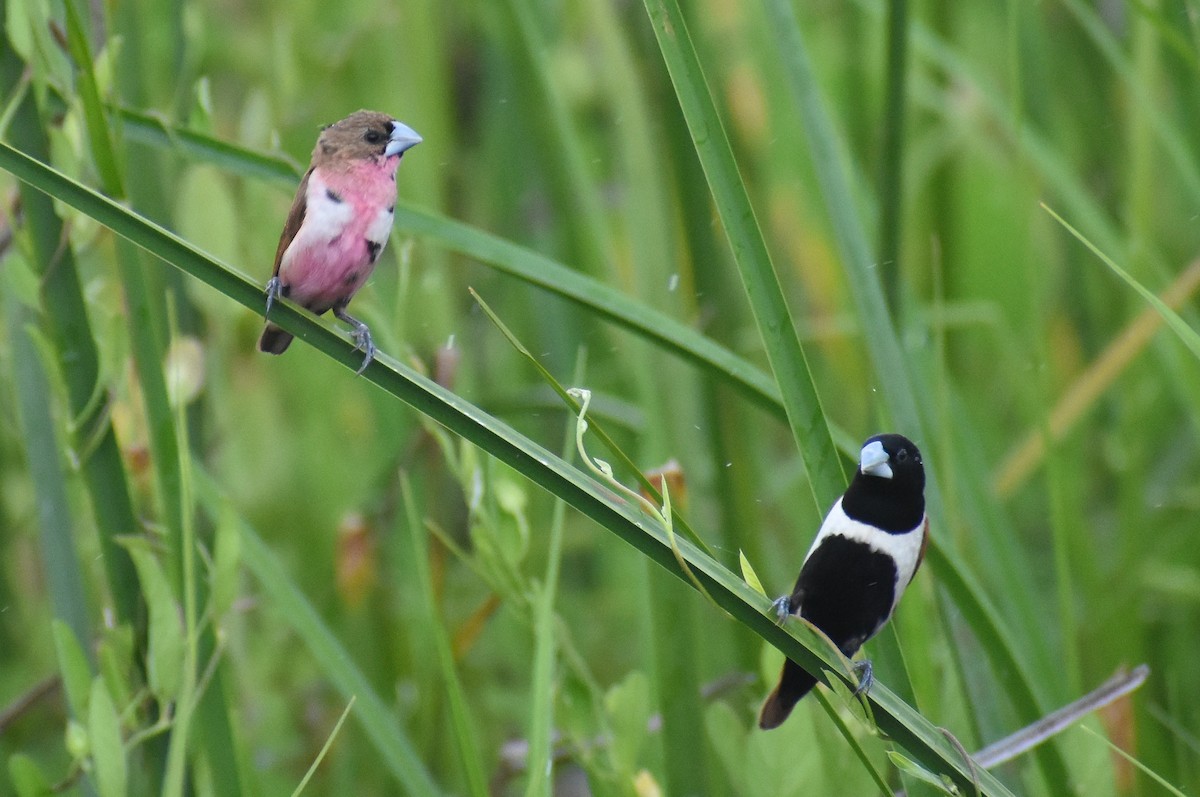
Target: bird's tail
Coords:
[[794, 683], [274, 340]]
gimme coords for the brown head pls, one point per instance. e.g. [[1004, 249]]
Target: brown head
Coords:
[[364, 134]]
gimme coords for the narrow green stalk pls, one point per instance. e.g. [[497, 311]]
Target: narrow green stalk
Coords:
[[888, 359], [571, 397], [312, 769], [577, 187], [378, 721], [66, 324], [891, 166], [43, 451], [807, 419], [470, 756], [539, 763]]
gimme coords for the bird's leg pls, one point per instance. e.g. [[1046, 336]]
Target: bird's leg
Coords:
[[783, 608], [274, 291], [361, 335], [866, 676]]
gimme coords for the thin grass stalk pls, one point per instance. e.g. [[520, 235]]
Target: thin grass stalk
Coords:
[[888, 359], [43, 452], [809, 427], [377, 720], [147, 328], [576, 186], [892, 151], [539, 762], [66, 324], [470, 756]]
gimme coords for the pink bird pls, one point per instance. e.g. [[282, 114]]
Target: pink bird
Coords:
[[339, 223]]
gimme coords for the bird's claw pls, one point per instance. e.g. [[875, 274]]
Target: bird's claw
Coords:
[[361, 335], [783, 608], [274, 291], [866, 676], [363, 343]]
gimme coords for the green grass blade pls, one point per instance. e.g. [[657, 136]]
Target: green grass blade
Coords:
[[805, 415], [831, 164], [891, 183], [67, 325], [145, 128], [1185, 333], [852, 742], [464, 727], [1147, 771], [324, 749], [104, 153], [378, 721], [43, 452], [545, 642], [594, 427]]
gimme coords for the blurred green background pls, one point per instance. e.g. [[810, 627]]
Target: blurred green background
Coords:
[[1059, 422]]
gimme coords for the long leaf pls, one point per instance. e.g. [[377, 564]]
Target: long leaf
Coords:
[[923, 741], [805, 415], [376, 719]]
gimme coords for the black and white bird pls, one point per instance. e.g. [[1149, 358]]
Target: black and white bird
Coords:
[[864, 556]]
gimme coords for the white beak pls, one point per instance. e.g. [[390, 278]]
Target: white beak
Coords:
[[873, 461], [402, 138]]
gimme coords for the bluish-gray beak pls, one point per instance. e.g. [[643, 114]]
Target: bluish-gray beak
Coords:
[[873, 461], [402, 138]]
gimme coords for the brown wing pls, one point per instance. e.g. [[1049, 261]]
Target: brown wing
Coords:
[[295, 218], [924, 544]]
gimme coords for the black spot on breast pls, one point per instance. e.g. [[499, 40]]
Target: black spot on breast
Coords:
[[352, 277], [391, 209], [374, 247], [285, 291], [333, 195]]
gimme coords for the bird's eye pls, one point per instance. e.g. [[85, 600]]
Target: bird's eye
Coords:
[[373, 137], [902, 455]]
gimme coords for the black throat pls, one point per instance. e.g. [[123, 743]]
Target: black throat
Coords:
[[892, 505]]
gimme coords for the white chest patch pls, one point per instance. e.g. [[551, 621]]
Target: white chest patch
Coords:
[[380, 227], [325, 218], [905, 548]]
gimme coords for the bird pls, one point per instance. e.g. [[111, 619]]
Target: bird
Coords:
[[339, 223], [864, 556]]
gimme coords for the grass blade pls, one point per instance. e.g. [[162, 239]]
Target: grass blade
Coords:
[[43, 451], [1185, 333], [377, 721], [775, 326], [464, 728]]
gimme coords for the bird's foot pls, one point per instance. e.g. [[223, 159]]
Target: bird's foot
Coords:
[[362, 338], [274, 291], [783, 608], [866, 676]]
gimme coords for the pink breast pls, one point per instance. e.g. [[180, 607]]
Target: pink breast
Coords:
[[330, 257]]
